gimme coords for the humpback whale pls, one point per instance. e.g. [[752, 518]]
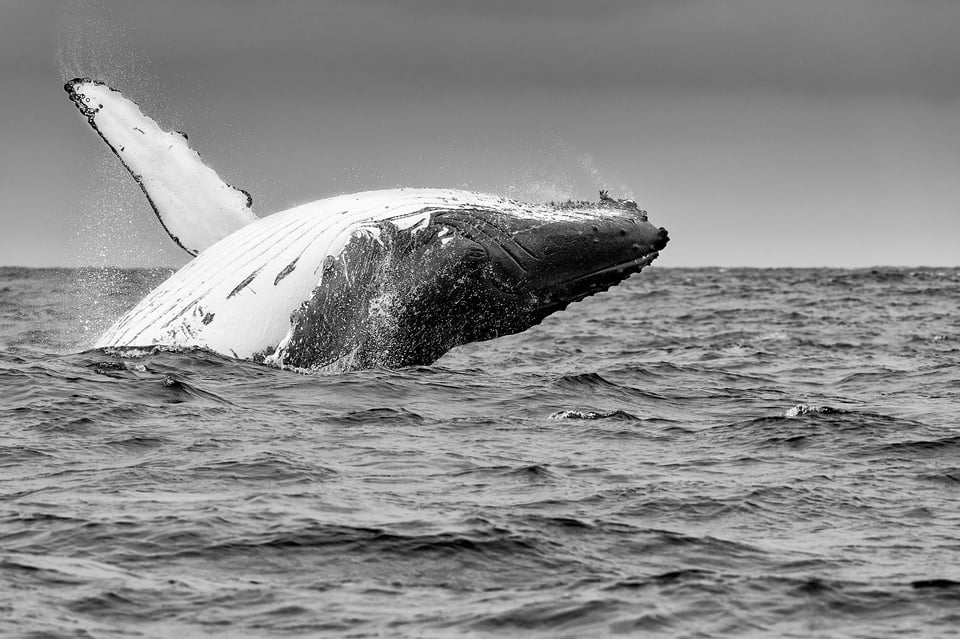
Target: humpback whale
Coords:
[[384, 278]]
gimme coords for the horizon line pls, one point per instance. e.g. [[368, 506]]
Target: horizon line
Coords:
[[661, 267]]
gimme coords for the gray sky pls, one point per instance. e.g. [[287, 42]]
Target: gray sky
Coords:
[[760, 132]]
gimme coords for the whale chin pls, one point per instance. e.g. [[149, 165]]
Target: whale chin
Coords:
[[581, 287]]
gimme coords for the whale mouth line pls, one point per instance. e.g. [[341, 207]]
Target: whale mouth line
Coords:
[[619, 270], [592, 283]]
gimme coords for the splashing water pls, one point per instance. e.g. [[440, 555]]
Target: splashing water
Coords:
[[600, 178], [631, 466], [557, 171], [93, 45], [113, 221]]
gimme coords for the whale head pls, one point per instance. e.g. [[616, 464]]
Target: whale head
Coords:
[[396, 298], [535, 267]]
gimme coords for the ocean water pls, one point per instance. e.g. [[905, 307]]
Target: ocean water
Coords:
[[697, 452]]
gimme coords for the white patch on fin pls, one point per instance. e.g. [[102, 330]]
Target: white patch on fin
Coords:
[[194, 205]]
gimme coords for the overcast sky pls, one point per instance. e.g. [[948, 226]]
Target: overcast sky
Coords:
[[760, 132]]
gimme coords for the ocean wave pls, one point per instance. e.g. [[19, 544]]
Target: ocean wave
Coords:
[[707, 465]]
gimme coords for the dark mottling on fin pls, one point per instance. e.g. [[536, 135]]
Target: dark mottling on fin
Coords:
[[287, 270], [207, 318], [247, 193], [90, 113], [242, 285]]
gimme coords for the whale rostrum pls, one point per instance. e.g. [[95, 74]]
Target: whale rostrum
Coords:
[[384, 278]]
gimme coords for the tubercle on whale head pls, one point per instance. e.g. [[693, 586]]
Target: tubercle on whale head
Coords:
[[625, 205]]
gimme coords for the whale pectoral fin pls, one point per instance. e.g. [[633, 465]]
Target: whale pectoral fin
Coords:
[[194, 205], [339, 327]]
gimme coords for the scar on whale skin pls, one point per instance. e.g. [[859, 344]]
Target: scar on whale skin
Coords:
[[287, 270], [242, 285]]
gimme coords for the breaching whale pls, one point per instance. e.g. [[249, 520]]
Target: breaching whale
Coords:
[[383, 278]]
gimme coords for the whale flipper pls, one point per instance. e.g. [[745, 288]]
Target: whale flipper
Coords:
[[194, 205]]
